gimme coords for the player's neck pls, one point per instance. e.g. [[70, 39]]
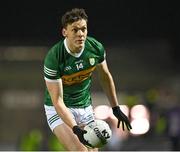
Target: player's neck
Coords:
[[72, 48], [75, 52]]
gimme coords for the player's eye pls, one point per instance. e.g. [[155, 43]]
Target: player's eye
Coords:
[[75, 30], [83, 29]]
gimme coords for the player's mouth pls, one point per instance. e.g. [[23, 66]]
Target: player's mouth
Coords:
[[80, 41]]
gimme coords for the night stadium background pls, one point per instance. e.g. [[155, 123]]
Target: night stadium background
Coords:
[[142, 43]]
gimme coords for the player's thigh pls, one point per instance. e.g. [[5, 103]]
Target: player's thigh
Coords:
[[68, 138]]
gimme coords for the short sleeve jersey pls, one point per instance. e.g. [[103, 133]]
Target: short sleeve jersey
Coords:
[[75, 71]]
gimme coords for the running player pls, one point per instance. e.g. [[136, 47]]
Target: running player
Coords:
[[68, 67]]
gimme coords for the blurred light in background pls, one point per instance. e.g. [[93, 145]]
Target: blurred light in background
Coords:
[[21, 99], [140, 120], [139, 116], [102, 112], [140, 126], [139, 111], [22, 53]]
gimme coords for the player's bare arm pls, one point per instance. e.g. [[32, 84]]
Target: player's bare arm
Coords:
[[56, 93], [108, 86], [107, 83]]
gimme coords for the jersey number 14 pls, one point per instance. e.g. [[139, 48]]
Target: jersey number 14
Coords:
[[79, 66]]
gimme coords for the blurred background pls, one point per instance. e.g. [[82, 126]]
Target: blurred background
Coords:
[[142, 44]]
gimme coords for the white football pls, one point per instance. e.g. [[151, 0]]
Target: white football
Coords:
[[98, 133]]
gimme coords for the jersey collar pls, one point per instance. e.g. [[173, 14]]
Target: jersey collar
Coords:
[[73, 54]]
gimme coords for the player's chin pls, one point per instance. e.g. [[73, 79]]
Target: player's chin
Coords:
[[80, 46]]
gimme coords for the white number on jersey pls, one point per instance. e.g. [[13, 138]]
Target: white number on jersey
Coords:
[[79, 66]]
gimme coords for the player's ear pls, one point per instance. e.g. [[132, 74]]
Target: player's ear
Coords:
[[64, 32]]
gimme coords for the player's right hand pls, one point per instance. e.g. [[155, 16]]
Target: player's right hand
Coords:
[[80, 134]]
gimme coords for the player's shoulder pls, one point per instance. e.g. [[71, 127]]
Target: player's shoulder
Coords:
[[93, 42], [55, 49], [57, 46]]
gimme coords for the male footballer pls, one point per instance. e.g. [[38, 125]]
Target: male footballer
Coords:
[[68, 67]]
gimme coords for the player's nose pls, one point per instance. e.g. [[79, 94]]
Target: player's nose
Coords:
[[80, 33]]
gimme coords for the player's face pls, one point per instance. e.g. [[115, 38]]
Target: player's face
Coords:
[[76, 34]]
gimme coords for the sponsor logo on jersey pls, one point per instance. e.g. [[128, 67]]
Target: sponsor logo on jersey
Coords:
[[91, 61], [67, 68], [77, 77]]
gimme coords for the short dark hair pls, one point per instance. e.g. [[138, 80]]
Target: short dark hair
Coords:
[[73, 15]]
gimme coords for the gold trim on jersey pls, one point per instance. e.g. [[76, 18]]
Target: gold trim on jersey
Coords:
[[77, 77]]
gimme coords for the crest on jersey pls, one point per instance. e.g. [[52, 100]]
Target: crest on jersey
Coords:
[[92, 61]]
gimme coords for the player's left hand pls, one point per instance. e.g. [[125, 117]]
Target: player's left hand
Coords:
[[121, 118]]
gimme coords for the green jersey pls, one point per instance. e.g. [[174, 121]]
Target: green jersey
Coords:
[[75, 70]]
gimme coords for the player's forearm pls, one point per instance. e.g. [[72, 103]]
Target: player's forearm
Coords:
[[64, 113], [109, 88], [56, 93]]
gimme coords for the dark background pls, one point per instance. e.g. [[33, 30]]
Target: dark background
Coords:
[[39, 22], [142, 42], [107, 19]]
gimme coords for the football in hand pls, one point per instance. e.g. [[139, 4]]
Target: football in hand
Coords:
[[98, 133]]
